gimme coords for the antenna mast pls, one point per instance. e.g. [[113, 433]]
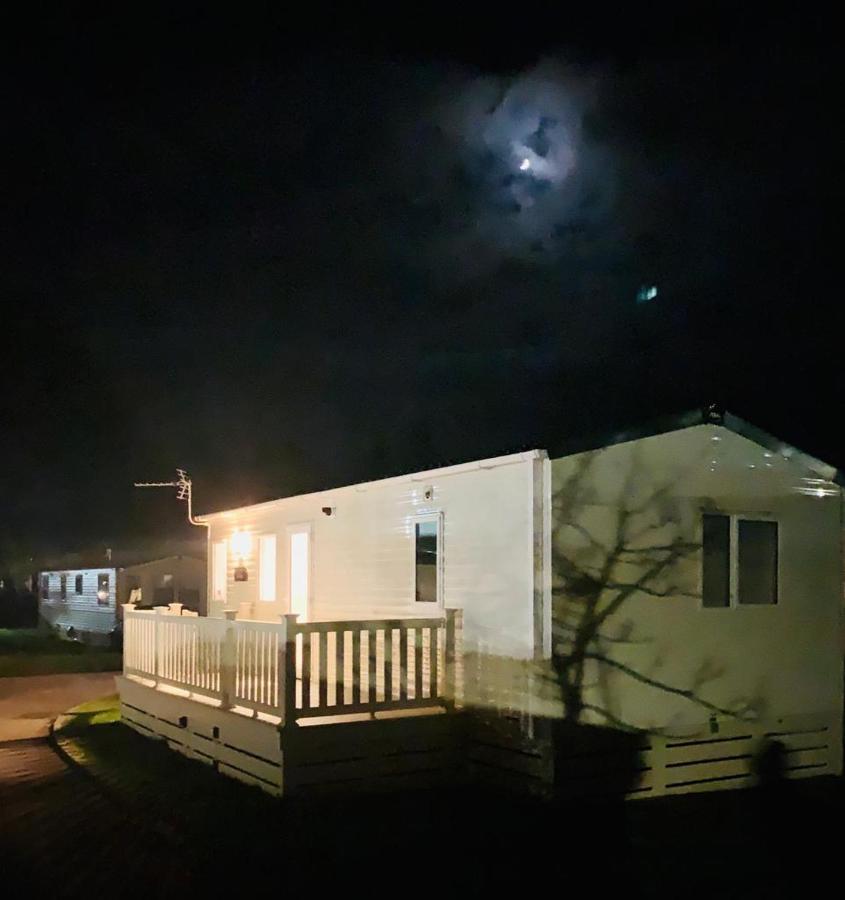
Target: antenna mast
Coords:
[[184, 491]]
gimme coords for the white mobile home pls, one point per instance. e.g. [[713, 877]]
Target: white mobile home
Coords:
[[682, 585], [87, 601]]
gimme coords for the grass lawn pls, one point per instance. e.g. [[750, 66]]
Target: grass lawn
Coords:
[[29, 651], [724, 844]]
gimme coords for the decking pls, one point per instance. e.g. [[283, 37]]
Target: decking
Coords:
[[239, 694]]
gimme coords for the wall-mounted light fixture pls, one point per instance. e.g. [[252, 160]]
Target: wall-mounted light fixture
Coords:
[[428, 493], [241, 543], [328, 510]]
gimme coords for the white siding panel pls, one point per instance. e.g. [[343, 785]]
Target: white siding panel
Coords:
[[362, 555]]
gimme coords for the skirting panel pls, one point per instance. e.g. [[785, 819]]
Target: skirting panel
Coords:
[[591, 762], [379, 755], [243, 748], [554, 759]]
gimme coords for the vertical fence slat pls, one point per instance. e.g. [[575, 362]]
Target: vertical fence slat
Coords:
[[418, 663], [403, 662], [339, 667], [306, 669], [323, 668], [372, 664], [388, 663], [356, 667]]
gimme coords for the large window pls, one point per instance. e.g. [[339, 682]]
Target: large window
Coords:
[[267, 568], [218, 572], [716, 561], [739, 561], [299, 549], [427, 561], [757, 563]]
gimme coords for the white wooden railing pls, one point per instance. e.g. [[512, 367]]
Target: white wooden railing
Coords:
[[259, 665], [183, 651], [297, 670]]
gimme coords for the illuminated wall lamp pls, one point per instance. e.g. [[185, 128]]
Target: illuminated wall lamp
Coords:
[[241, 543]]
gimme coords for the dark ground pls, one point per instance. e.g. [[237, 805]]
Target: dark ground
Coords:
[[158, 823], [30, 651]]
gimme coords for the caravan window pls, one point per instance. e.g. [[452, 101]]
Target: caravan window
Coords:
[[267, 568], [426, 561], [63, 587], [45, 587], [757, 563], [103, 589], [739, 561], [716, 561], [78, 586], [218, 572]]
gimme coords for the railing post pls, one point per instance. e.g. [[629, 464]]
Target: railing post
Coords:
[[287, 669], [129, 637], [454, 629], [228, 661], [159, 611]]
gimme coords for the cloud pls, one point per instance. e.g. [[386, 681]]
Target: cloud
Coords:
[[505, 170]]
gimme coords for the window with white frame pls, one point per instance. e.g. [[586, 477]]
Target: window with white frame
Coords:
[[103, 589], [267, 568], [427, 560], [218, 572], [299, 570], [739, 561]]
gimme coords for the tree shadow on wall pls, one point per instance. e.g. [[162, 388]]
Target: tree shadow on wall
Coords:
[[608, 552]]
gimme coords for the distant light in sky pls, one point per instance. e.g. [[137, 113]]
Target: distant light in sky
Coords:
[[525, 165], [646, 292]]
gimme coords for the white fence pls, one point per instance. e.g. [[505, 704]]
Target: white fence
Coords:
[[295, 670], [350, 667]]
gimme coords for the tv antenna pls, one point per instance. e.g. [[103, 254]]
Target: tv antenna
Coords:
[[184, 491]]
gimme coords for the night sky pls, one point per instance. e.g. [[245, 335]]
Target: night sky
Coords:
[[290, 255]]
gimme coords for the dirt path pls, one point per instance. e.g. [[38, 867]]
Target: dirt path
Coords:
[[29, 704]]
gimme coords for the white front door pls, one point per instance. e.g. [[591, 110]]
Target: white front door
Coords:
[[299, 583]]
